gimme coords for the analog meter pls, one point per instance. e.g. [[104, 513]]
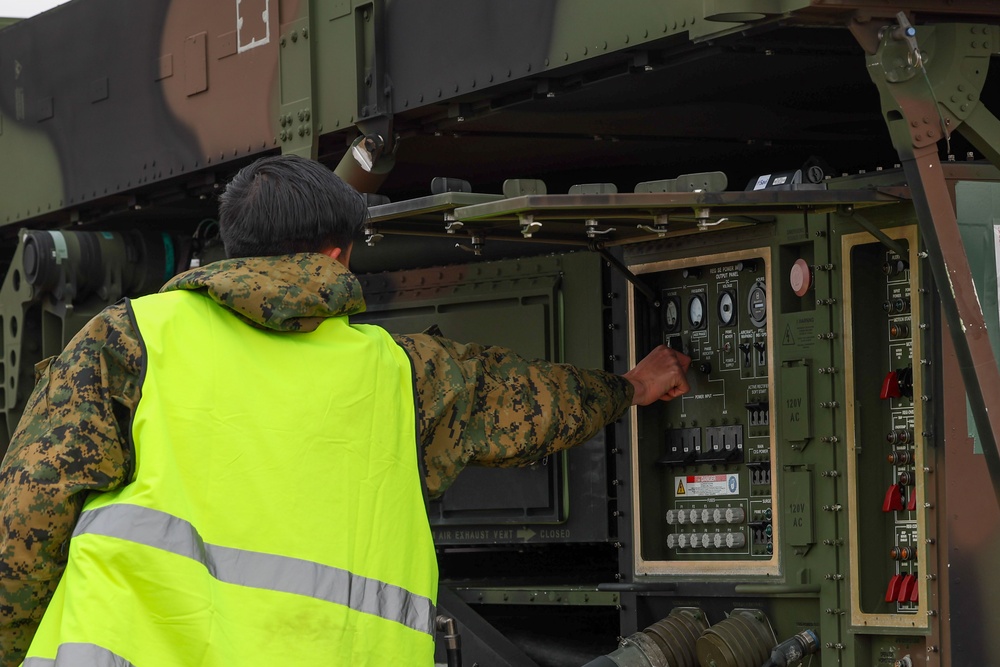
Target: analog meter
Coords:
[[696, 311], [671, 314], [727, 308]]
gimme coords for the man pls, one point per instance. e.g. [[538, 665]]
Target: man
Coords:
[[236, 463]]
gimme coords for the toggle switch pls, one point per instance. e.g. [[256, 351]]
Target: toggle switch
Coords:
[[911, 504], [893, 499], [890, 386], [761, 353], [906, 588], [895, 584], [745, 349], [915, 593]]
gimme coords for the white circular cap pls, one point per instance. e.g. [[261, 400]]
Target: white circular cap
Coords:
[[735, 515], [735, 540]]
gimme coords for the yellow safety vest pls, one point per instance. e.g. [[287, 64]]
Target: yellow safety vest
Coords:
[[276, 516]]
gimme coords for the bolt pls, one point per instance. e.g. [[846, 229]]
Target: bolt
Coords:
[[295, 35]]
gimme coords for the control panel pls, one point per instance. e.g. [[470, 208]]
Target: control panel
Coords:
[[703, 462], [886, 432]]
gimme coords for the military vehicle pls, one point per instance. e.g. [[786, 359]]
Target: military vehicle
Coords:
[[800, 194]]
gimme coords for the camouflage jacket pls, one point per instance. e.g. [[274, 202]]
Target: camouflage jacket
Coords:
[[476, 405]]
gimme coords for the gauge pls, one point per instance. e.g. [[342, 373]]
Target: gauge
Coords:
[[672, 314], [757, 305], [696, 311], [727, 308]]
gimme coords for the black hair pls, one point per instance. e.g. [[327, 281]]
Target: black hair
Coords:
[[286, 204]]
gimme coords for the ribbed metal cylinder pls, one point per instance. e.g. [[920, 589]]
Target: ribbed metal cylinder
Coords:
[[745, 639], [677, 634]]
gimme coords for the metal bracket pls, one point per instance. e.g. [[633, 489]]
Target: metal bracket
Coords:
[[593, 232], [659, 227], [477, 243], [528, 225]]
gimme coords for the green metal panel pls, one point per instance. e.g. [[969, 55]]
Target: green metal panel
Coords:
[[796, 405], [798, 504]]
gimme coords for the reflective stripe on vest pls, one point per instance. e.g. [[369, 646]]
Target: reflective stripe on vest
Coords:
[[80, 655], [276, 514], [247, 568]]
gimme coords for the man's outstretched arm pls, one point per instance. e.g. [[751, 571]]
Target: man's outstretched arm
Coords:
[[486, 405]]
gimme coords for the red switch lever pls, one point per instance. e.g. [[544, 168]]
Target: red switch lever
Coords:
[[911, 505], [892, 593], [890, 386], [915, 594], [893, 499], [906, 589]]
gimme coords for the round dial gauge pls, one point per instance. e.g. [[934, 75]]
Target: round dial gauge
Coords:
[[696, 311], [671, 315], [757, 305], [727, 309]]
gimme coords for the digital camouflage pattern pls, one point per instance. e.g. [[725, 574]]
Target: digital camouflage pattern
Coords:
[[476, 405]]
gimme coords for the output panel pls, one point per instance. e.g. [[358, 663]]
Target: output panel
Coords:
[[703, 463]]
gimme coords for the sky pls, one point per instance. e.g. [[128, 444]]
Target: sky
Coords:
[[24, 8]]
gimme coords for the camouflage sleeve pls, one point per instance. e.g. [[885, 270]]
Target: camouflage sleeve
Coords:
[[489, 406], [70, 441]]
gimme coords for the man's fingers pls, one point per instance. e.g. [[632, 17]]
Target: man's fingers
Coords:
[[683, 360]]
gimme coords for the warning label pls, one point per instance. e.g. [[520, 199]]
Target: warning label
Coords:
[[707, 485], [788, 338]]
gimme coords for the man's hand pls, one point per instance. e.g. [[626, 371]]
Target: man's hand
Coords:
[[659, 376]]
